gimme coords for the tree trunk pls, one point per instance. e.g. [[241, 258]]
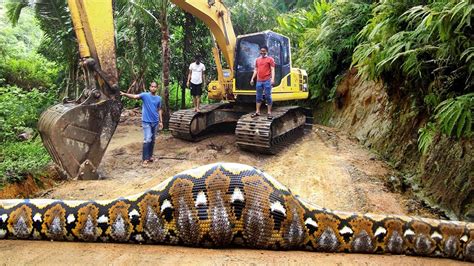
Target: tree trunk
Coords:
[[166, 65], [189, 25]]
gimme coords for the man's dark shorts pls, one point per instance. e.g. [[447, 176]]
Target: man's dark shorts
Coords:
[[196, 89]]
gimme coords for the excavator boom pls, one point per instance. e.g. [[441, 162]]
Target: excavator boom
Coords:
[[217, 18]]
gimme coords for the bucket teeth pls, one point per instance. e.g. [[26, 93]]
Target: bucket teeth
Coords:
[[78, 134]]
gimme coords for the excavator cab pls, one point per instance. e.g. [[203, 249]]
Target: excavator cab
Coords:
[[248, 49]]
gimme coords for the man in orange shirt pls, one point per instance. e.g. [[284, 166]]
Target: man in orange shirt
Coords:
[[265, 73]]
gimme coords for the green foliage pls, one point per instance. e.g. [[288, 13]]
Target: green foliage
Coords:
[[294, 25], [418, 45], [14, 10], [425, 137], [34, 71], [431, 101], [138, 44], [378, 33], [20, 109], [18, 159], [249, 16], [27, 87], [424, 49], [454, 115], [59, 43], [20, 64], [55, 40], [299, 4], [326, 36], [21, 39]]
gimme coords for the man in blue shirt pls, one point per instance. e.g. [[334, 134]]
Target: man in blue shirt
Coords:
[[152, 119]]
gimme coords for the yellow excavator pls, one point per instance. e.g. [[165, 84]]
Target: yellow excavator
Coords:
[[76, 133], [233, 86]]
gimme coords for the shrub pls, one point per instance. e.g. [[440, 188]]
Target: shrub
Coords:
[[454, 115], [21, 109], [424, 49], [18, 159], [29, 72]]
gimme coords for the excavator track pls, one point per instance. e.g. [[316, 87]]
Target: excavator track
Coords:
[[260, 134], [190, 125]]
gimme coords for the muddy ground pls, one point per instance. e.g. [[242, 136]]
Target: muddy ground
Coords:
[[325, 167]]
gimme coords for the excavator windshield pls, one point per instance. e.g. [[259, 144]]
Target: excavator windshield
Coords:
[[247, 51]]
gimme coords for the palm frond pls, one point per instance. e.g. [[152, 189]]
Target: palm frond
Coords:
[[14, 9]]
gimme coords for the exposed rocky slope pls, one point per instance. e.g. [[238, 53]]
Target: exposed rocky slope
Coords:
[[444, 176]]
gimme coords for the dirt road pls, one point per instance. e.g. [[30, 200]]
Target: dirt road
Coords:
[[325, 167]]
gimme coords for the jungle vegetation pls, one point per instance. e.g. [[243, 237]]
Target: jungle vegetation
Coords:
[[422, 49]]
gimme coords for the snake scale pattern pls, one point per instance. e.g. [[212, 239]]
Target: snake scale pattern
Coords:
[[228, 204]]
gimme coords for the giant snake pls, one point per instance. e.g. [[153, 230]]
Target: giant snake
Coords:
[[226, 204]]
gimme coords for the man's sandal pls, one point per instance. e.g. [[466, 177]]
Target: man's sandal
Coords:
[[269, 117], [254, 115]]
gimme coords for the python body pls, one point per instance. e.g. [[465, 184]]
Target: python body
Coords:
[[231, 205]]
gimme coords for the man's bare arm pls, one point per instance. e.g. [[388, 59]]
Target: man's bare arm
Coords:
[[161, 118], [273, 75], [189, 77], [129, 95], [253, 76]]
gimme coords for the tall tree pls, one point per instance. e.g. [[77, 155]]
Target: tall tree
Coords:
[[189, 24], [158, 12], [165, 37], [138, 50]]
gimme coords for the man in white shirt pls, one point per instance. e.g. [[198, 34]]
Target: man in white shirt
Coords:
[[196, 79]]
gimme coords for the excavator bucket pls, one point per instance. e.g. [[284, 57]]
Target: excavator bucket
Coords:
[[77, 135]]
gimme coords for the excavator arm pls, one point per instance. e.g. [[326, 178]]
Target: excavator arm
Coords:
[[217, 18], [76, 133], [94, 28]]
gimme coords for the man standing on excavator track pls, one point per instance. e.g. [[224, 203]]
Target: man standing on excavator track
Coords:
[[152, 119], [195, 82], [265, 73]]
